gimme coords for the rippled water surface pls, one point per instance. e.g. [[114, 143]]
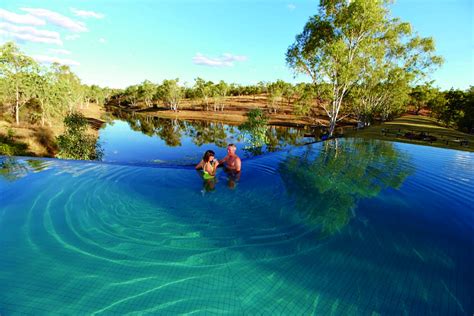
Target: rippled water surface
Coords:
[[340, 227]]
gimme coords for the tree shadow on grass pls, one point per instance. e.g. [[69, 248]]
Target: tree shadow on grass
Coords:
[[46, 138], [12, 147]]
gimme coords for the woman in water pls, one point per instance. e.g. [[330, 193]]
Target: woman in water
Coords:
[[208, 164]]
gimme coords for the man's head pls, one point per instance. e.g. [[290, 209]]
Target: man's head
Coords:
[[231, 148]]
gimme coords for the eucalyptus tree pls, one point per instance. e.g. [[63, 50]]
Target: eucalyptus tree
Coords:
[[98, 95], [3, 94], [69, 85], [275, 94], [146, 92], [17, 70], [337, 45], [49, 95], [204, 90], [385, 95], [453, 108], [262, 86], [132, 95], [220, 92], [171, 93], [386, 77], [421, 95], [305, 96], [254, 90], [288, 92]]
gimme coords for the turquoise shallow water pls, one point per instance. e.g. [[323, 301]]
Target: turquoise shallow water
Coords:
[[340, 227]]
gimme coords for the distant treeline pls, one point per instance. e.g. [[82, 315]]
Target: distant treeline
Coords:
[[453, 108]]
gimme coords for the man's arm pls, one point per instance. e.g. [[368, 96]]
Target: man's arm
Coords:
[[223, 159]]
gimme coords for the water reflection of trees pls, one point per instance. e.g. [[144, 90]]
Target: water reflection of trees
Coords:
[[327, 183], [171, 132], [12, 169]]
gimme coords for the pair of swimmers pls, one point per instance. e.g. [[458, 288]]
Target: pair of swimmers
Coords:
[[209, 163]]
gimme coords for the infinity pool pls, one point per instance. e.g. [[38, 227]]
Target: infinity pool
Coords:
[[339, 227]]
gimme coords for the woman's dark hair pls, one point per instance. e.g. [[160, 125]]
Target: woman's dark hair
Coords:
[[207, 155]]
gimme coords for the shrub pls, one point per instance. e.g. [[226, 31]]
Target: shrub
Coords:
[[75, 143], [255, 128]]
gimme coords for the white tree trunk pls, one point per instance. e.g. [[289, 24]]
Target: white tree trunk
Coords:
[[17, 107]]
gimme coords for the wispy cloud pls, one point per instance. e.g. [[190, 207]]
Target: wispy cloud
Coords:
[[60, 51], [72, 37], [225, 60], [29, 30], [57, 19], [29, 38], [87, 14], [51, 59], [30, 34], [20, 18], [291, 7]]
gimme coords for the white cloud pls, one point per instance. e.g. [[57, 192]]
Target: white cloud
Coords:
[[102, 40], [57, 19], [51, 59], [87, 14], [225, 60], [28, 37], [60, 51], [72, 37], [20, 18], [291, 6], [29, 30]]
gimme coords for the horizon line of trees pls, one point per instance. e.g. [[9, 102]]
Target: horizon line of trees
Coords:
[[449, 107]]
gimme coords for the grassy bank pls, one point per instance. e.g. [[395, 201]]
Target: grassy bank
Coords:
[[409, 127], [34, 140]]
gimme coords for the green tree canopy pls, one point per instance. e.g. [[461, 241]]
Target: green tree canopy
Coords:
[[348, 43], [17, 70]]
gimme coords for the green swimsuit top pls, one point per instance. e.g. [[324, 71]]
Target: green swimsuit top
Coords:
[[206, 174]]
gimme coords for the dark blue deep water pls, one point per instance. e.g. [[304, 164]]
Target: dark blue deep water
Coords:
[[334, 228]]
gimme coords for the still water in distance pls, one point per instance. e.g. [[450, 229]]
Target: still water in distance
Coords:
[[140, 139]]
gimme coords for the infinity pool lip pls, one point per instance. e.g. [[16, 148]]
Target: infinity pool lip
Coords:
[[165, 164]]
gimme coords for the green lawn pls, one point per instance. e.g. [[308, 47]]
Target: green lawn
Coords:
[[396, 131]]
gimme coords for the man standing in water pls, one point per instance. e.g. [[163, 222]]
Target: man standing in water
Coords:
[[232, 161], [232, 166]]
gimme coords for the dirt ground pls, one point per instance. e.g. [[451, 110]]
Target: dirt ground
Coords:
[[235, 111]]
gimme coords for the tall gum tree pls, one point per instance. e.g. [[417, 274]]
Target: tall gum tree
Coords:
[[17, 69], [337, 45]]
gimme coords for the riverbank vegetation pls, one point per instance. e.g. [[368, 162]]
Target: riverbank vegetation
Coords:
[[35, 100]]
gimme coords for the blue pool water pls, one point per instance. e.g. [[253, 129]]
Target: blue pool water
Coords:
[[340, 227]]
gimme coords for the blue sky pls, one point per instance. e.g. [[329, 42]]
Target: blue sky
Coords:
[[117, 43]]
